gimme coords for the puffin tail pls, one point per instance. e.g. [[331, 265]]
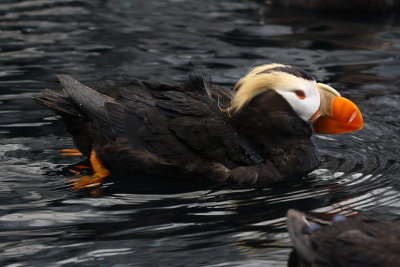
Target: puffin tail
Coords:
[[59, 102], [75, 99], [75, 120]]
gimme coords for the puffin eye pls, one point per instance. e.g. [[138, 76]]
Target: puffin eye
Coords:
[[300, 94]]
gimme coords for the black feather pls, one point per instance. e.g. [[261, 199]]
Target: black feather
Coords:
[[350, 242], [180, 130]]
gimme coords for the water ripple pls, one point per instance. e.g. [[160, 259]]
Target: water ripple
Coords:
[[44, 223]]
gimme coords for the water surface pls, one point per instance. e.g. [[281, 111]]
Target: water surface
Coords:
[[44, 223]]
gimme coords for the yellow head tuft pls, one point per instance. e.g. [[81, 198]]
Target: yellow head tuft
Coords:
[[259, 80]]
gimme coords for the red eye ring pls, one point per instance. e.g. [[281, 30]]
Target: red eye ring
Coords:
[[300, 94]]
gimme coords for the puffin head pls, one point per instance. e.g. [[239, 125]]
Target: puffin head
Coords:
[[314, 102]]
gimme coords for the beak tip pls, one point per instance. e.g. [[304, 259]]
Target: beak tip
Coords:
[[346, 118]]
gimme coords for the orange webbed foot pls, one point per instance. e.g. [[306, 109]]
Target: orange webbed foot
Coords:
[[86, 181], [79, 169], [100, 173], [70, 152]]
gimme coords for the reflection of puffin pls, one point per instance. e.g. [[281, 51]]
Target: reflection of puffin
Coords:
[[257, 134], [344, 242]]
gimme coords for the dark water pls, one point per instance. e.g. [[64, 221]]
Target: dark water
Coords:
[[43, 223]]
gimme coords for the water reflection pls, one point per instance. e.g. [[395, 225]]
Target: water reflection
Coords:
[[43, 223]]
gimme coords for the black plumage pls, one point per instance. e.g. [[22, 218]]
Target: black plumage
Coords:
[[181, 130], [344, 242]]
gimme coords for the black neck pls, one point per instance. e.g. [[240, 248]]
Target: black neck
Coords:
[[274, 129], [269, 118]]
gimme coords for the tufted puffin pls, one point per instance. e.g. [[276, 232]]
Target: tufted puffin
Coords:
[[347, 242], [258, 133]]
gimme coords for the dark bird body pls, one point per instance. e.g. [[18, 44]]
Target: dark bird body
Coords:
[[179, 130], [344, 242], [257, 134]]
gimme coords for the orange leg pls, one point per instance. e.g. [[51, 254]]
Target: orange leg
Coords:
[[71, 152], [100, 173]]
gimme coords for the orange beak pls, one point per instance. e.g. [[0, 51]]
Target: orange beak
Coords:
[[344, 117]]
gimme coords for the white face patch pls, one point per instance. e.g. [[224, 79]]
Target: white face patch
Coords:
[[302, 95]]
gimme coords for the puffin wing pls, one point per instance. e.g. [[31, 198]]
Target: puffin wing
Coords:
[[175, 124], [144, 119], [149, 126], [182, 125]]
